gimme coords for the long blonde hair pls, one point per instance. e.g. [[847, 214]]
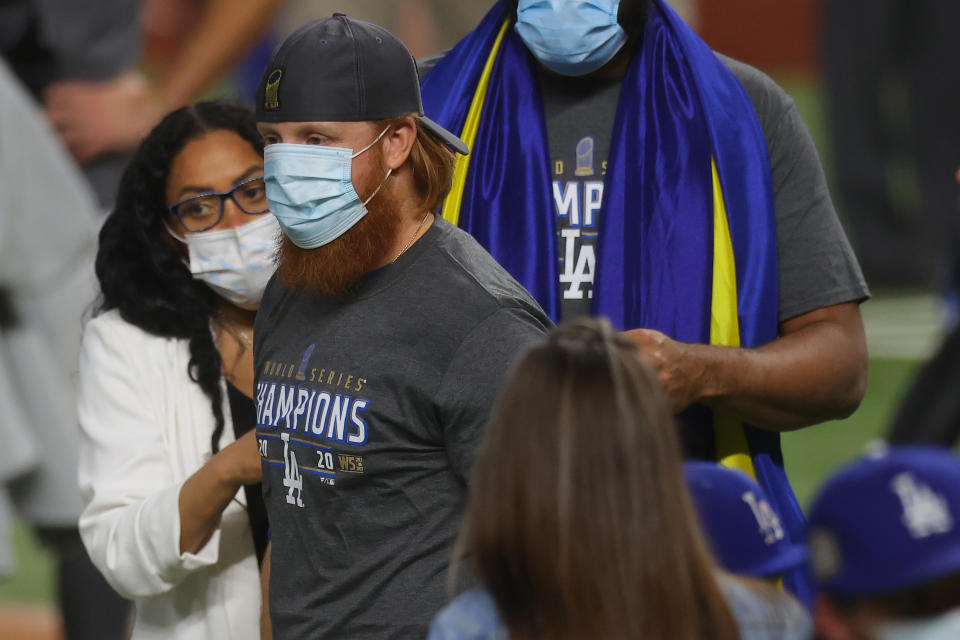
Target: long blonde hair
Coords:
[[579, 522], [431, 165]]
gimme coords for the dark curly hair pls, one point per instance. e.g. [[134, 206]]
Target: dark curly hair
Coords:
[[142, 275]]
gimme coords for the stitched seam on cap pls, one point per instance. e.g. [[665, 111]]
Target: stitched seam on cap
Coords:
[[357, 66]]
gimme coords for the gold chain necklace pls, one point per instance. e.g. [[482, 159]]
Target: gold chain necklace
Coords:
[[238, 333], [245, 338], [423, 219]]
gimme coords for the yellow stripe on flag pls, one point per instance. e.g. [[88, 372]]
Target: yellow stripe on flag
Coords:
[[732, 448], [451, 205]]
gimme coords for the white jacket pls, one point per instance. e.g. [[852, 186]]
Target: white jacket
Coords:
[[146, 428]]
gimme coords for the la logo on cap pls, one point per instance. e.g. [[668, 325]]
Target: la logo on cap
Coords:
[[925, 512], [271, 101], [767, 520]]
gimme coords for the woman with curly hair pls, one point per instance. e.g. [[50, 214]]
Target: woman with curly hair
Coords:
[[579, 523], [169, 465]]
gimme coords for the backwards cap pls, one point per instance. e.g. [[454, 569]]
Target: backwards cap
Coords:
[[342, 70]]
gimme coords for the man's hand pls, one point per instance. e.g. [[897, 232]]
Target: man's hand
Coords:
[[681, 372], [94, 118], [815, 371]]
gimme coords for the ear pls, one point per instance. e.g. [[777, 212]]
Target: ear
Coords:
[[398, 142]]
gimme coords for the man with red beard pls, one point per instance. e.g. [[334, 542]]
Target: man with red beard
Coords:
[[380, 345]]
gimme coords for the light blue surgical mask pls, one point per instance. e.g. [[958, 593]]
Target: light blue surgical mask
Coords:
[[571, 37], [310, 191]]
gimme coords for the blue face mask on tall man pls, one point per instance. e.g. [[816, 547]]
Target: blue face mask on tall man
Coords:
[[571, 37], [310, 191]]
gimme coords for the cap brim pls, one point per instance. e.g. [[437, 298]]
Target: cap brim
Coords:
[[788, 557], [447, 138]]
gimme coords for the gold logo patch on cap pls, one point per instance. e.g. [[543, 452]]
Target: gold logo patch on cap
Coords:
[[270, 100]]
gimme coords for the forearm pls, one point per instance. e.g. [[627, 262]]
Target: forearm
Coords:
[[92, 43], [814, 374], [226, 31], [203, 497]]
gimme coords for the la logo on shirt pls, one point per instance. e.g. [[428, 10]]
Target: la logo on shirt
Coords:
[[577, 197]]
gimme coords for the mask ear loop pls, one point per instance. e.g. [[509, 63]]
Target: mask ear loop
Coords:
[[377, 190], [185, 259], [389, 171], [172, 232], [375, 141]]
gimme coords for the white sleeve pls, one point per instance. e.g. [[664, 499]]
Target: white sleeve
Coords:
[[131, 521]]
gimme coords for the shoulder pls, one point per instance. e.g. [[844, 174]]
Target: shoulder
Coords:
[[107, 336], [769, 99], [471, 616], [763, 612], [484, 281], [110, 326]]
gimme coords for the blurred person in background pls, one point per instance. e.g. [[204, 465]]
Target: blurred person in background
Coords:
[[80, 60], [619, 167], [425, 26], [169, 466], [895, 135], [579, 524], [930, 410], [48, 225], [745, 532], [47, 42], [885, 547]]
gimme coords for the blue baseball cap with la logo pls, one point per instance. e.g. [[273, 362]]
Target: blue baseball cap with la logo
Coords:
[[888, 522], [744, 530]]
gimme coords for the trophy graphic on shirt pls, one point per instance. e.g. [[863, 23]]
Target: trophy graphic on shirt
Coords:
[[584, 157]]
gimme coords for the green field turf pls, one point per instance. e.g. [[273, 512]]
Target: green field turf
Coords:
[[812, 453], [32, 581]]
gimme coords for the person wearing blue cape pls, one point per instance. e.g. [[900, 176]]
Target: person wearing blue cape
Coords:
[[619, 167]]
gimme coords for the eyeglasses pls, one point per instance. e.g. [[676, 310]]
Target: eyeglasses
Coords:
[[202, 212]]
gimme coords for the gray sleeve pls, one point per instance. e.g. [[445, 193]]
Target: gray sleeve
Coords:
[[426, 64], [92, 39], [473, 380], [816, 265]]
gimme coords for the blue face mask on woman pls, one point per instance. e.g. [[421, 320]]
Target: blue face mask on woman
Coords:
[[571, 37], [310, 191]]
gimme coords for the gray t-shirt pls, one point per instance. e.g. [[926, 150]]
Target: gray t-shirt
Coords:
[[370, 408], [816, 265]]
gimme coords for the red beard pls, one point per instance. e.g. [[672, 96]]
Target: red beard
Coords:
[[336, 267]]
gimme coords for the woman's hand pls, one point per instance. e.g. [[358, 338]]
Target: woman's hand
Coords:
[[239, 462], [207, 492]]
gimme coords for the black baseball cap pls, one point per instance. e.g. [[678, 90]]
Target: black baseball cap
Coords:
[[338, 69]]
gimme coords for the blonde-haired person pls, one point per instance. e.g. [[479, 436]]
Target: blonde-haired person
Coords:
[[579, 523]]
